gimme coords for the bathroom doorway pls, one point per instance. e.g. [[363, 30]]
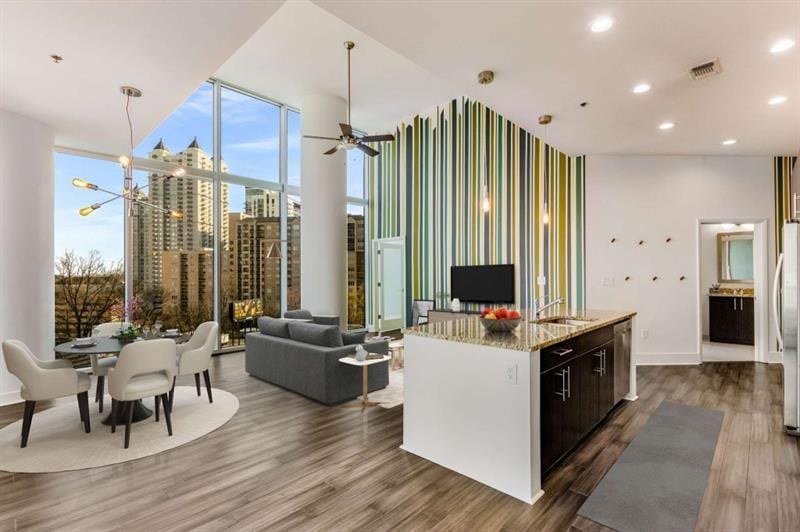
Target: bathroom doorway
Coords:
[[732, 300]]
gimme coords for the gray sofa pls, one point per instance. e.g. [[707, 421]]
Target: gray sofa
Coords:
[[303, 314], [304, 358]]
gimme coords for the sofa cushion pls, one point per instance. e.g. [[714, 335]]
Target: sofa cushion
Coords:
[[311, 333], [273, 327], [297, 314], [354, 338]]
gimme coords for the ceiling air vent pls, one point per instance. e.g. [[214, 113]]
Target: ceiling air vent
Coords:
[[706, 70]]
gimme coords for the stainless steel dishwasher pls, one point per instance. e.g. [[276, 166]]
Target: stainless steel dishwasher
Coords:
[[622, 360]]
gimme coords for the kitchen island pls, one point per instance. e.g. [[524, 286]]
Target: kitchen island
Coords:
[[504, 408]]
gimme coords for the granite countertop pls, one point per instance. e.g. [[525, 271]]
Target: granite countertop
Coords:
[[528, 336], [725, 294]]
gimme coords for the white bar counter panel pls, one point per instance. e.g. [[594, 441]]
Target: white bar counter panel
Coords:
[[470, 408]]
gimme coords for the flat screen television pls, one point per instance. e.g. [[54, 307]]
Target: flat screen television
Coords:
[[483, 284]]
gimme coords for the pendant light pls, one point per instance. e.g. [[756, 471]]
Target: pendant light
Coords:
[[544, 120]]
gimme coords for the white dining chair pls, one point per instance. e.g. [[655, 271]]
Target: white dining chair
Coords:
[[44, 380], [144, 369], [100, 366], [194, 357]]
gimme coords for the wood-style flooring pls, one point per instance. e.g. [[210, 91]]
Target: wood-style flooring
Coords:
[[287, 463]]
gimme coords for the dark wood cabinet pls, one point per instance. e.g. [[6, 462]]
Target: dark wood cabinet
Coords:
[[731, 319], [575, 396]]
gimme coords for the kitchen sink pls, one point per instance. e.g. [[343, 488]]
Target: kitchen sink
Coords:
[[562, 320]]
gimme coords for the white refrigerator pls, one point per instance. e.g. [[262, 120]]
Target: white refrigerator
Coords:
[[786, 292]]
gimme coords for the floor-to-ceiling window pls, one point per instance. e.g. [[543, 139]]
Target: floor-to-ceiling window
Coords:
[[243, 210], [356, 245], [88, 247]]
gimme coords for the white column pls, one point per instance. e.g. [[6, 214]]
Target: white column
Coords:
[[27, 301], [323, 218]]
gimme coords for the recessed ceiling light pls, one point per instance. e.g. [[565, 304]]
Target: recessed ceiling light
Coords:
[[641, 88], [601, 24], [729, 142], [666, 125], [777, 100], [781, 46]]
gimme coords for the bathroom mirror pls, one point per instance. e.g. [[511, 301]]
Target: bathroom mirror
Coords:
[[735, 257]]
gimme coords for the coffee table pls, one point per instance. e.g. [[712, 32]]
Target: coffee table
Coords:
[[364, 364]]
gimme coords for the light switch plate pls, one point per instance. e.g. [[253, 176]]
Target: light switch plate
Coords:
[[608, 281], [511, 374]]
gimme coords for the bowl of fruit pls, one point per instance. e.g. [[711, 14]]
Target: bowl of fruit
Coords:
[[500, 319]]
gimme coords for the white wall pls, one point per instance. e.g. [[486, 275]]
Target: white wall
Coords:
[[709, 273], [323, 224], [26, 240], [652, 198]]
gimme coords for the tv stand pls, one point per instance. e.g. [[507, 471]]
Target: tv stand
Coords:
[[440, 314]]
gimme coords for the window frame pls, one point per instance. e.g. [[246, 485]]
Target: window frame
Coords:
[[217, 178]]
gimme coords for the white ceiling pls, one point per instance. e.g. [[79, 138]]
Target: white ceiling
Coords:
[[167, 49], [546, 61], [300, 51], [414, 55]]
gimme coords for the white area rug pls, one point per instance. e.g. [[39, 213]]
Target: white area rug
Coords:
[[57, 441], [392, 395]]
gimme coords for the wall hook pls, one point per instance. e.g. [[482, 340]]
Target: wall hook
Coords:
[[655, 278], [682, 277], [641, 242], [669, 239], [613, 239], [627, 277]]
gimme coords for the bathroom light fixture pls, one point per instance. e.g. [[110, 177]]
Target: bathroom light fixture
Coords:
[[781, 46], [777, 100], [729, 142], [601, 24], [666, 125], [642, 88]]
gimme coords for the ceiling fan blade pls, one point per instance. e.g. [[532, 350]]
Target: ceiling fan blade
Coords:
[[316, 137], [377, 138], [366, 149], [333, 150], [347, 131]]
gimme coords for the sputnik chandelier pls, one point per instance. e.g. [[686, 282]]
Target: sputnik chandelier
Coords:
[[131, 192]]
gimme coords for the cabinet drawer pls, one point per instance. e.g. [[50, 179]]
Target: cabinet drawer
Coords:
[[557, 354]]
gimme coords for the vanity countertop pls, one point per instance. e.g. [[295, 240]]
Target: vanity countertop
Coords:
[[748, 296], [529, 336]]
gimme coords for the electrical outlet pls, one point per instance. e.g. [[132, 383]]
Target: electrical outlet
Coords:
[[608, 281], [511, 374], [645, 334]]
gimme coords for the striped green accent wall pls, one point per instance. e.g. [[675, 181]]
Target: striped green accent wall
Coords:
[[427, 186], [782, 172]]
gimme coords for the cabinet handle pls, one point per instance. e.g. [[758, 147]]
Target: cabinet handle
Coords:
[[604, 363], [563, 392], [569, 382], [561, 352], [734, 303]]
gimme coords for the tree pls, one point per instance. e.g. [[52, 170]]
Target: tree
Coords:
[[86, 289]]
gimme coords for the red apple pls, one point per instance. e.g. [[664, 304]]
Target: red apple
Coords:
[[501, 313], [485, 311], [514, 315]]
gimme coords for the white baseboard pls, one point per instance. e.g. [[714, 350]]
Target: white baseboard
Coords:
[[667, 359], [775, 357], [9, 398]]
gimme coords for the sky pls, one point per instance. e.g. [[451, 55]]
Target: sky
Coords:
[[250, 147]]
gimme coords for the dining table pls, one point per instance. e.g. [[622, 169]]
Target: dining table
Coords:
[[103, 345]]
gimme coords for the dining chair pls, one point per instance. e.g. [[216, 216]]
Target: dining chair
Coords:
[[194, 357], [44, 380], [144, 369], [419, 310], [100, 366]]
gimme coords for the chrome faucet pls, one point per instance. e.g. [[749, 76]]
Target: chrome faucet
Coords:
[[537, 310]]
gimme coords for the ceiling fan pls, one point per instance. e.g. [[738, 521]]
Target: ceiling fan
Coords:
[[348, 139]]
